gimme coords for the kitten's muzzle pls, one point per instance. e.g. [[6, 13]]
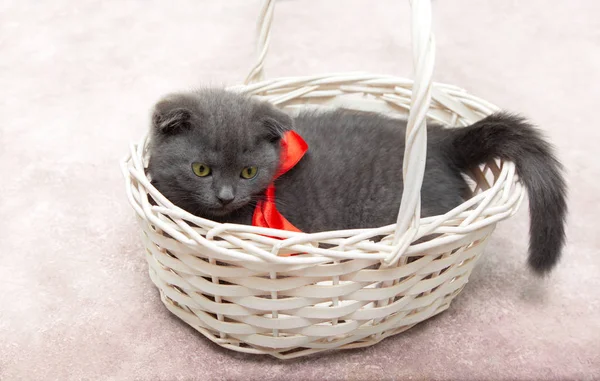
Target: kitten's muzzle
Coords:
[[225, 201], [225, 195]]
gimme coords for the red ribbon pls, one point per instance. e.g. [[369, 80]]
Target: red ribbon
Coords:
[[266, 215]]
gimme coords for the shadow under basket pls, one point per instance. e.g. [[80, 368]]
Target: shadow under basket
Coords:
[[238, 286]]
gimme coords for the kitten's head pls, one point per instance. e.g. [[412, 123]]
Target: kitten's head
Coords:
[[213, 152]]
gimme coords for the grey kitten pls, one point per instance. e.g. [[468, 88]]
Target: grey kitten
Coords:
[[351, 176]]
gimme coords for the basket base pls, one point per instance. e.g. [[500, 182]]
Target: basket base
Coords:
[[291, 353], [368, 333]]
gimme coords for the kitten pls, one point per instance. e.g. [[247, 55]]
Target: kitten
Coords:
[[351, 176]]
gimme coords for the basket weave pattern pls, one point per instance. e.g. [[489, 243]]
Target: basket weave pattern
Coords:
[[344, 290]]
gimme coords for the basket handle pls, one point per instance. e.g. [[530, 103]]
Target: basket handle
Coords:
[[263, 26], [423, 52]]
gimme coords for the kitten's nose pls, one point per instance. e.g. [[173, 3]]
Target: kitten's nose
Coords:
[[225, 195]]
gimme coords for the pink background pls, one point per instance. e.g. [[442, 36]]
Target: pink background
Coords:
[[78, 80]]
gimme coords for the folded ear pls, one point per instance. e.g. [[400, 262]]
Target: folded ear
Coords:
[[275, 123], [170, 116]]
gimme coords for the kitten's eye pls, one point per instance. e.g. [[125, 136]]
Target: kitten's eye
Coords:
[[200, 170], [249, 172]]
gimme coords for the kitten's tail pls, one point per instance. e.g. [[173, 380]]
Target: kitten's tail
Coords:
[[512, 138]]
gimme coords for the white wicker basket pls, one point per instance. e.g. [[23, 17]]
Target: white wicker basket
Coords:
[[231, 283]]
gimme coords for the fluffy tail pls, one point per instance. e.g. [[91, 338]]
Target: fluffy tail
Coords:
[[512, 138]]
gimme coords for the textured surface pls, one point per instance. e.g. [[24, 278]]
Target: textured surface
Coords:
[[75, 298]]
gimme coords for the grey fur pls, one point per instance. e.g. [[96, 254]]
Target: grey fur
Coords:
[[351, 176]]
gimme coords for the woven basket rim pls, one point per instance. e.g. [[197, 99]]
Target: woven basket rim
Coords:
[[216, 229]]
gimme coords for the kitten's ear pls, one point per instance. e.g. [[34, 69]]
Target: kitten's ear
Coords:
[[170, 118], [276, 123]]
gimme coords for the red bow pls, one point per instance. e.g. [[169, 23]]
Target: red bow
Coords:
[[266, 215]]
